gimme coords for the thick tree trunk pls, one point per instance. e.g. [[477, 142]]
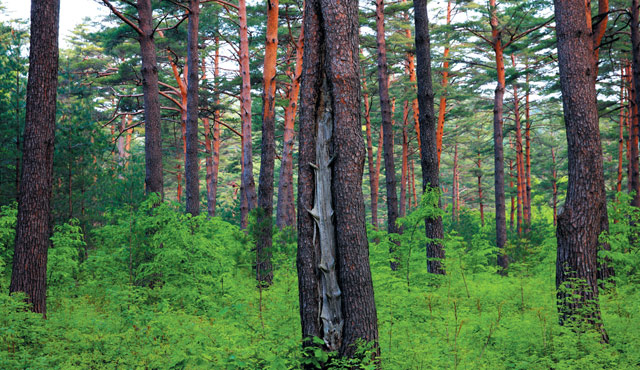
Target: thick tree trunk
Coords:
[[247, 184], [33, 228], [387, 124], [264, 272], [584, 215], [191, 163], [151, 91], [428, 148], [330, 121], [501, 222], [285, 213]]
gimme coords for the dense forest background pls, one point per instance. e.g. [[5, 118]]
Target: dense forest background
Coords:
[[183, 279]]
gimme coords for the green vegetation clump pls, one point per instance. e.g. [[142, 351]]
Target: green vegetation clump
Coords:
[[154, 288]]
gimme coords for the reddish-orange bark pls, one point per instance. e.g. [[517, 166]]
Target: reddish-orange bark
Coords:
[[443, 98]]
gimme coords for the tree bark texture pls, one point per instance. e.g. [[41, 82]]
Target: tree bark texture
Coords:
[[191, 165], [247, 184], [33, 228], [387, 125], [584, 214], [264, 272], [331, 90], [428, 148], [498, 148], [151, 95], [285, 212]]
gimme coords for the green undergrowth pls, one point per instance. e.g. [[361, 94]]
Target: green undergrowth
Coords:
[[155, 289]]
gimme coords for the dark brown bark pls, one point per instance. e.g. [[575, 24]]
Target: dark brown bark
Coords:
[[330, 80], [428, 148], [247, 184], [285, 212], [584, 215], [387, 125], [264, 272], [152, 127], [191, 163], [498, 149], [33, 228]]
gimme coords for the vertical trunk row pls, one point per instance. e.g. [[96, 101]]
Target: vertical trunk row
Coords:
[[191, 164], [428, 148], [285, 212], [501, 222], [247, 184], [33, 228], [387, 125], [264, 273], [584, 215]]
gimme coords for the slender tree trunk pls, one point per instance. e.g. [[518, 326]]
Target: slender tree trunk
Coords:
[[264, 272], [621, 129], [33, 228], [247, 184], [411, 71], [372, 174], [428, 148], [521, 184], [501, 222], [454, 186], [480, 198], [212, 181], [286, 214], [584, 215], [387, 125], [527, 136], [513, 203], [554, 184], [191, 164], [405, 160], [442, 108], [413, 184], [336, 303]]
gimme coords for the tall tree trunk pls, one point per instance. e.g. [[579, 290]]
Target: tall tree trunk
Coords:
[[264, 272], [527, 137], [635, 43], [621, 129], [33, 228], [413, 184], [584, 215], [191, 164], [336, 302], [285, 213], [387, 125], [151, 94], [442, 107], [521, 184], [428, 148], [498, 150], [554, 184], [212, 177], [372, 174], [247, 184], [454, 186], [405, 159], [411, 71]]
